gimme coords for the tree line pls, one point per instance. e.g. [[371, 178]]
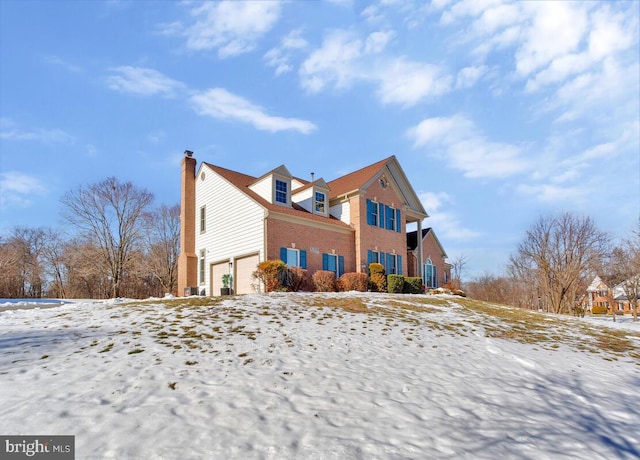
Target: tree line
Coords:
[[116, 245], [556, 261]]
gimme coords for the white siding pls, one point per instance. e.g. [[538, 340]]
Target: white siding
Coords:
[[235, 223], [264, 188], [304, 199], [342, 211]]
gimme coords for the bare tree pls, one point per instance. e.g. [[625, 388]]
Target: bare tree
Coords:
[[109, 213], [458, 264], [626, 263], [163, 245], [560, 253]]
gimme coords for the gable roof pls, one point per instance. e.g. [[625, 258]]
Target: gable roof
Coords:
[[364, 177], [412, 239], [242, 183]]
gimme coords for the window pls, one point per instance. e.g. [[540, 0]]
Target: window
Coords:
[[384, 216], [373, 257], [430, 275], [203, 219], [294, 257], [393, 264], [281, 191], [391, 218], [372, 213], [202, 267], [333, 263], [319, 202]]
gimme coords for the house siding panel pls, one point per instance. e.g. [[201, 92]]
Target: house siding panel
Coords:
[[235, 223]]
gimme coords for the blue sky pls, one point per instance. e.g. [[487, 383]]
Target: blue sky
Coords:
[[498, 111]]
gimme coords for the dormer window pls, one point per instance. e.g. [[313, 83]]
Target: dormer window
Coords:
[[319, 203], [281, 191]]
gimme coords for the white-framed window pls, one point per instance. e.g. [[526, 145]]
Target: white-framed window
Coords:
[[202, 265], [319, 202], [333, 263], [294, 257], [281, 191], [203, 219], [430, 274]]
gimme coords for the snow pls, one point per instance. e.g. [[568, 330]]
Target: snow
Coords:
[[315, 376]]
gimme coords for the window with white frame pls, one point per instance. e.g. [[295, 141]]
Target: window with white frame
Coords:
[[333, 263], [202, 265], [319, 203], [281, 191], [203, 219], [430, 275], [294, 257]]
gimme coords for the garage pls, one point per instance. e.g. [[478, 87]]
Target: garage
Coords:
[[217, 270], [245, 266]]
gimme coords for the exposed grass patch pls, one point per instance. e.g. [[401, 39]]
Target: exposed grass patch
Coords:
[[135, 351]]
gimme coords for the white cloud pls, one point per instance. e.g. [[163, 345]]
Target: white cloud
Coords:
[[335, 62], [280, 56], [57, 61], [223, 105], [459, 142], [143, 82], [17, 189], [469, 76], [231, 27], [11, 131], [449, 226], [345, 58]]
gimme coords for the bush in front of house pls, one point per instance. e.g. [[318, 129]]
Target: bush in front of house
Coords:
[[353, 282], [395, 283], [298, 279], [272, 274], [324, 281], [413, 285], [599, 310], [377, 278]]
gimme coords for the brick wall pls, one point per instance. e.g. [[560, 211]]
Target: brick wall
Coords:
[[314, 240], [369, 237]]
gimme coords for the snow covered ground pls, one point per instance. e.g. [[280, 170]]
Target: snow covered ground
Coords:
[[320, 376]]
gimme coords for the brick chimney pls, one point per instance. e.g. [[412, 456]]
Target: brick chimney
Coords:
[[187, 260]]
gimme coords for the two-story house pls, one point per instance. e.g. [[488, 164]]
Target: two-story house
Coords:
[[231, 221]]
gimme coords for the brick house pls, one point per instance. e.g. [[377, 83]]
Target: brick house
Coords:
[[436, 271], [231, 221], [600, 294]]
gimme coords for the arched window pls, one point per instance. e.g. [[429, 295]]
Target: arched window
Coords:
[[430, 274]]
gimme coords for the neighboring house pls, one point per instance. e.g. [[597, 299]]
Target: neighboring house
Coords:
[[436, 272], [230, 222], [599, 293]]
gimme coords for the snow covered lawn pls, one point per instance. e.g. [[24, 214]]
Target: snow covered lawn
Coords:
[[320, 376]]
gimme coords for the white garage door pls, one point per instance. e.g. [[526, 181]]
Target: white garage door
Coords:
[[245, 267], [217, 270]]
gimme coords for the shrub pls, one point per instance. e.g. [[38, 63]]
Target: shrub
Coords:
[[298, 279], [353, 282], [272, 274], [377, 278], [395, 283], [324, 281], [413, 285], [599, 310]]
